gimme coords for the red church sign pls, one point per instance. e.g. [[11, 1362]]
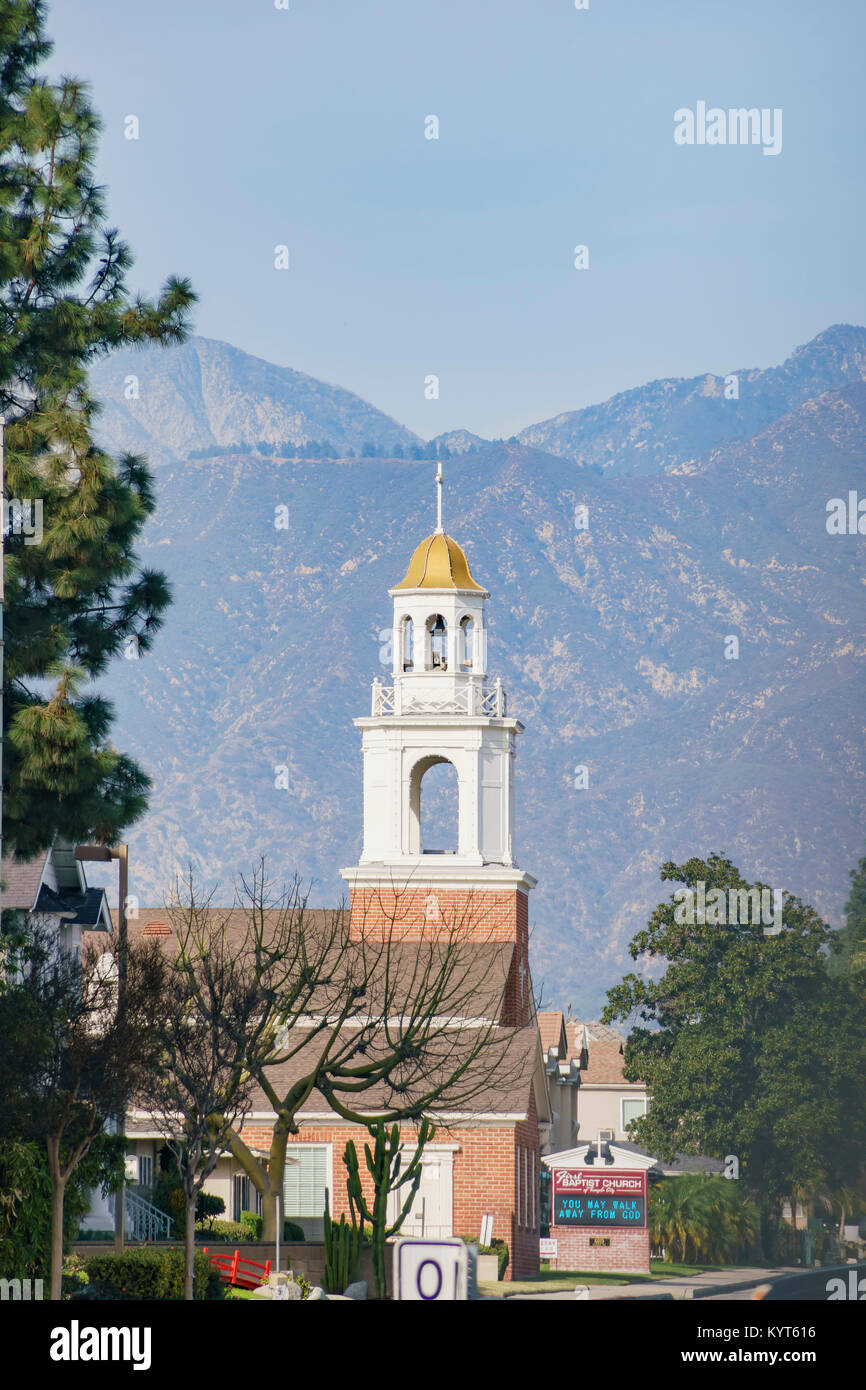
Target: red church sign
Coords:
[[587, 1197]]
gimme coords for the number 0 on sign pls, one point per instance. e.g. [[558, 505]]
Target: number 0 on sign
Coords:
[[431, 1271]]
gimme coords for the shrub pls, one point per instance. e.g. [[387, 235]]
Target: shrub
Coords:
[[207, 1207], [252, 1224], [226, 1231], [496, 1247], [150, 1276], [168, 1196], [292, 1231], [500, 1249], [74, 1276]]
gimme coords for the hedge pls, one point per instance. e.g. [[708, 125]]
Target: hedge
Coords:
[[151, 1276]]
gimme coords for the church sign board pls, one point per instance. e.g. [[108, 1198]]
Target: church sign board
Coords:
[[583, 1197]]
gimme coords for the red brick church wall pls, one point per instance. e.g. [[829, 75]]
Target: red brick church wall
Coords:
[[485, 1177], [415, 912], [477, 917]]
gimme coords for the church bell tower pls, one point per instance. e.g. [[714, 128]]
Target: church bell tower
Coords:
[[440, 706]]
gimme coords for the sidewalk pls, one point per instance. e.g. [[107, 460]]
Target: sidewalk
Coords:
[[682, 1286]]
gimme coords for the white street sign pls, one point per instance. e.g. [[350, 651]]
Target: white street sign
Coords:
[[431, 1271]]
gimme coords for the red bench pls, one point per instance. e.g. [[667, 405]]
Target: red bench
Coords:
[[240, 1274]]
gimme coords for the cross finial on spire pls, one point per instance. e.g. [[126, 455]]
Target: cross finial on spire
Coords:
[[439, 531]]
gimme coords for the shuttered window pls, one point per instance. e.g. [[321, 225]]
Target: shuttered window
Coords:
[[632, 1110], [306, 1179]]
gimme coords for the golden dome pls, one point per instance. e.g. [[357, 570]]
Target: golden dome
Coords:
[[439, 563]]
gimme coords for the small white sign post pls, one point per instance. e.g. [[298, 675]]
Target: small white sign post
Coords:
[[431, 1271]]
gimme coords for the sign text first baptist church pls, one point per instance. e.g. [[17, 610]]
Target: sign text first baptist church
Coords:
[[599, 1199]]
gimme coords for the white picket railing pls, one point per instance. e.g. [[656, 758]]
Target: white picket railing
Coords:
[[399, 699]]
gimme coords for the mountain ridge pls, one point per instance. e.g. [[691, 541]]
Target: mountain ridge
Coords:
[[610, 640], [207, 394]]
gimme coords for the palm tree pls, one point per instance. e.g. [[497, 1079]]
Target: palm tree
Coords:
[[708, 1218]]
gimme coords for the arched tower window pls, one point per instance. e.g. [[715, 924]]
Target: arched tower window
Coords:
[[434, 807], [467, 643], [408, 644], [438, 642]]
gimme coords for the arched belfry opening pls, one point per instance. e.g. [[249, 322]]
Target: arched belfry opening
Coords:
[[467, 643], [434, 807], [437, 639], [407, 644]]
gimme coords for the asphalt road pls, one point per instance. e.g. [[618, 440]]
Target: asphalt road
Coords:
[[739, 1285], [836, 1282]]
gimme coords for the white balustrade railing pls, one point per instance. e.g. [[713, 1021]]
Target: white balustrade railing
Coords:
[[398, 699], [145, 1221]]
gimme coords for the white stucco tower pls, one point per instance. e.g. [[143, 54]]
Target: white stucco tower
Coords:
[[440, 707]]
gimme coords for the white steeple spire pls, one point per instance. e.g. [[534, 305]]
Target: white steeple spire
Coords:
[[439, 530]]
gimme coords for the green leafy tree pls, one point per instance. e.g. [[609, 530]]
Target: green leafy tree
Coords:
[[76, 1056], [213, 1030], [748, 1045], [701, 1219], [75, 594], [851, 958], [26, 1203]]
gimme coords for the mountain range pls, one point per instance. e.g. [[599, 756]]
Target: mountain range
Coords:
[[624, 547]]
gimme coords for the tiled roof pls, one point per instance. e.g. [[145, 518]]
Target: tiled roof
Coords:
[[595, 1032], [605, 1048], [22, 879], [79, 909], [234, 919], [498, 1081], [604, 1064], [550, 1028]]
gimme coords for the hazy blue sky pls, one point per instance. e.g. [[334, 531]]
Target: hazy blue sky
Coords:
[[411, 256]]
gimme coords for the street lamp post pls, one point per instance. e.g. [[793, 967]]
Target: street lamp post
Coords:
[[104, 854]]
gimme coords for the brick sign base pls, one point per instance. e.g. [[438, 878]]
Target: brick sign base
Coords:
[[627, 1253]]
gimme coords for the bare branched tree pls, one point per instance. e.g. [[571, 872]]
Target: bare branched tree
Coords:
[[214, 1029], [381, 1025]]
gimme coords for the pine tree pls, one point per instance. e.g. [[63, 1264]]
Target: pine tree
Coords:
[[76, 597]]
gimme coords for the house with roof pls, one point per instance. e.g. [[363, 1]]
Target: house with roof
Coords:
[[589, 1093], [606, 1102], [52, 888]]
